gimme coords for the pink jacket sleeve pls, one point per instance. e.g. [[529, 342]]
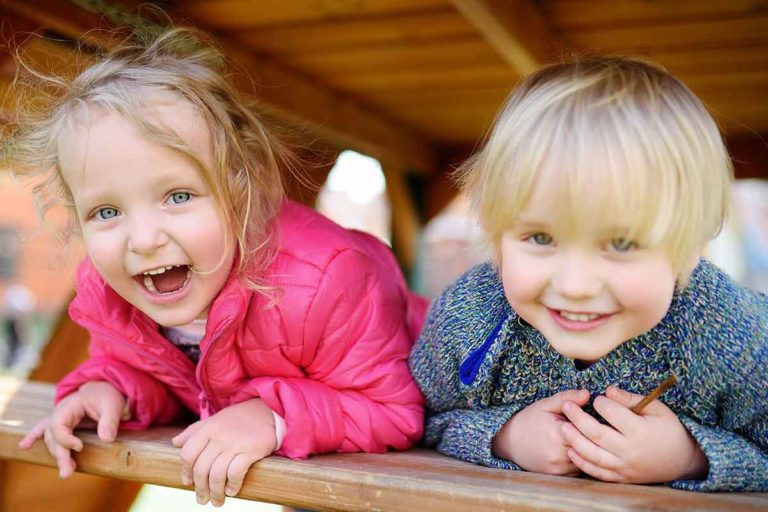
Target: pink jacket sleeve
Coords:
[[358, 394], [150, 402]]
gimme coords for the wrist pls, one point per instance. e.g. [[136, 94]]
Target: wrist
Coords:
[[275, 421], [279, 430], [501, 445], [698, 465]]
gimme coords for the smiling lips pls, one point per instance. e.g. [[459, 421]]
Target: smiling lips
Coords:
[[164, 280], [571, 321]]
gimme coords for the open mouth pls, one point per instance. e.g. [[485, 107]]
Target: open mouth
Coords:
[[164, 280], [581, 321]]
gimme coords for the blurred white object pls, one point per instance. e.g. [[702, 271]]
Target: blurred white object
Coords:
[[19, 301], [742, 247], [452, 243]]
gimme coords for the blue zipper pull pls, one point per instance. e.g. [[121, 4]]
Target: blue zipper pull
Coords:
[[471, 366]]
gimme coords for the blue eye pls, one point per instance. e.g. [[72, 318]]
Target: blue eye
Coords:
[[622, 245], [180, 197], [541, 239], [106, 213]]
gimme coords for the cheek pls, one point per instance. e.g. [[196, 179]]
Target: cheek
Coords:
[[648, 294], [101, 250], [522, 280]]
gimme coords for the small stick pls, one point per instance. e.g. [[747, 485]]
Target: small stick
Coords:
[[653, 395]]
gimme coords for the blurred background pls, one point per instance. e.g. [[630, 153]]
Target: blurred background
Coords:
[[383, 98]]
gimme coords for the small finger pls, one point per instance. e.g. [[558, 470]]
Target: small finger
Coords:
[[34, 434], [182, 437], [591, 469], [217, 478], [190, 451], [629, 400], [616, 414], [604, 436], [201, 471], [107, 427], [555, 402], [64, 436], [64, 460], [236, 472], [586, 448]]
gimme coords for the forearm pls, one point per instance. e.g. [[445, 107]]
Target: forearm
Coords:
[[149, 401], [468, 434], [322, 419]]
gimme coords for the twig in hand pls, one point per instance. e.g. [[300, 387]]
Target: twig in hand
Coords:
[[653, 395]]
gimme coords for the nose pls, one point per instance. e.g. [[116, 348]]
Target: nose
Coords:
[[146, 235], [577, 276]]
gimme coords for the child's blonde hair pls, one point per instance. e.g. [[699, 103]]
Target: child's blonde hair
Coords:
[[622, 139], [246, 174]]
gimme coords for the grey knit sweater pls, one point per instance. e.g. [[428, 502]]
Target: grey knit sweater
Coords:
[[477, 366]]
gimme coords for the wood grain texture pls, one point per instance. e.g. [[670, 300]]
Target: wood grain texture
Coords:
[[416, 480]]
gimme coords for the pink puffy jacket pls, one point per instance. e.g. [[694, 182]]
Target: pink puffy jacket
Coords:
[[330, 356]]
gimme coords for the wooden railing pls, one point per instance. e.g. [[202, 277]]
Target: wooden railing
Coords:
[[419, 480]]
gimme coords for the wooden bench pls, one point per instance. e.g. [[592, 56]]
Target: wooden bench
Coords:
[[419, 480]]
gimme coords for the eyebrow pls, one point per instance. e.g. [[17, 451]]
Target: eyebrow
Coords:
[[531, 222]]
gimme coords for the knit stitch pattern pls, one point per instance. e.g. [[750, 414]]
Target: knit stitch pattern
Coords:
[[478, 364]]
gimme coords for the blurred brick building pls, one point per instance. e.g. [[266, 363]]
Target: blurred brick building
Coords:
[[31, 254]]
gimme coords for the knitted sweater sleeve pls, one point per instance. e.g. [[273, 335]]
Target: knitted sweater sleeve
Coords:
[[730, 355], [737, 446], [738, 462], [456, 424], [467, 434]]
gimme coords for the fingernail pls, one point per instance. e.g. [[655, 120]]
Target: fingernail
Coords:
[[230, 491], [201, 500]]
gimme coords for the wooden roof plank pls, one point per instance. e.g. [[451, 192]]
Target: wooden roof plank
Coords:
[[292, 98], [439, 25], [680, 36], [516, 29], [580, 14], [268, 13], [426, 57]]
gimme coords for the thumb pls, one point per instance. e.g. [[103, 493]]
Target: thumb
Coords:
[[182, 437], [109, 419], [555, 402], [624, 398]]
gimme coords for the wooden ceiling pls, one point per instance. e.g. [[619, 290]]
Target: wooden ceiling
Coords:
[[442, 68], [409, 80]]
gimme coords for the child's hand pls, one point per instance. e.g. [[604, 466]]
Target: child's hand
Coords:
[[220, 449], [99, 401], [532, 440], [649, 447]]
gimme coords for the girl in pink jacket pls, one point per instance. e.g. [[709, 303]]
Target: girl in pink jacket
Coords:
[[204, 289]]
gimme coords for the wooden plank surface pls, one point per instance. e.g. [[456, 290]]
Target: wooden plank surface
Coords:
[[417, 480]]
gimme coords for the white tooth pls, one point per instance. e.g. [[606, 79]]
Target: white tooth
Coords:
[[169, 267], [578, 317], [149, 285]]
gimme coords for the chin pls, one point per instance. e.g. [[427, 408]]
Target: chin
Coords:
[[173, 320]]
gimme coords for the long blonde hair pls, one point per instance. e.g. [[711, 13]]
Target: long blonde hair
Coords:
[[248, 161]]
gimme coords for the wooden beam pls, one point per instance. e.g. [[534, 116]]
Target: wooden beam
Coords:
[[416, 480], [296, 100], [406, 225], [515, 28]]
